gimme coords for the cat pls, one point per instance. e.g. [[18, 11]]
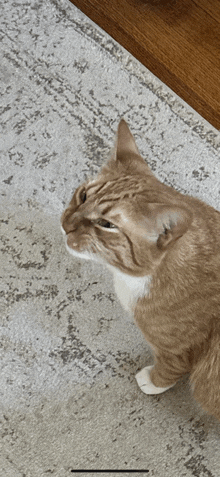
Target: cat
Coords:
[[163, 248]]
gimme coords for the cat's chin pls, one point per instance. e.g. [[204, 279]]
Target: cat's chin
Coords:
[[85, 255]]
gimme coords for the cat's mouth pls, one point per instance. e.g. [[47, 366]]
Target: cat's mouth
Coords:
[[87, 255], [67, 236], [63, 231], [69, 240]]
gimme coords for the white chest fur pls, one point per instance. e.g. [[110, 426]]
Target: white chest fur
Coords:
[[129, 289]]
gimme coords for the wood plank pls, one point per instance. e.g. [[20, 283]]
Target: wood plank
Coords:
[[178, 40]]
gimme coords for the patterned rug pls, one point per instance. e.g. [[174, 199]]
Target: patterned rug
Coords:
[[69, 353]]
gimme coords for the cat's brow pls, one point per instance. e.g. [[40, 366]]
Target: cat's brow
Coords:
[[107, 209], [97, 188], [109, 205]]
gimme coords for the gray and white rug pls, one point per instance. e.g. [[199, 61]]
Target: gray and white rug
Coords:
[[69, 353]]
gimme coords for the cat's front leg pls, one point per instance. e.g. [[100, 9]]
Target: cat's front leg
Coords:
[[145, 383], [168, 368]]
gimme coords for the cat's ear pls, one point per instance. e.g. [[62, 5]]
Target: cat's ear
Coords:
[[125, 142], [170, 223], [126, 152]]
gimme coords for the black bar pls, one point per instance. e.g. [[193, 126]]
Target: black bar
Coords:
[[112, 470]]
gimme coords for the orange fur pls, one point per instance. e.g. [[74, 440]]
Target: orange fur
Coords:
[[136, 224]]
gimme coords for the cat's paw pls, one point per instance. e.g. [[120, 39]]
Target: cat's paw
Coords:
[[145, 383]]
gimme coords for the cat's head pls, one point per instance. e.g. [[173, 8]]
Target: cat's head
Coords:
[[125, 217]]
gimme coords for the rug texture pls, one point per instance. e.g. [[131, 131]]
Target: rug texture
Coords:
[[69, 353]]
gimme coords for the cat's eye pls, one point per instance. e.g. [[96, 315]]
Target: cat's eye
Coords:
[[106, 224], [83, 196]]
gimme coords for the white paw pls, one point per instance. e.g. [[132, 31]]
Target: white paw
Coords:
[[145, 383]]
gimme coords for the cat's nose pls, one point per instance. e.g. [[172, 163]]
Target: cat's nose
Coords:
[[70, 226], [68, 223], [74, 222]]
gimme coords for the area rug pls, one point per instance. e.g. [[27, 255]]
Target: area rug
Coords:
[[69, 353]]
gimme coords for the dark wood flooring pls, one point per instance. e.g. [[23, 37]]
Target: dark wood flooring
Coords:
[[178, 40]]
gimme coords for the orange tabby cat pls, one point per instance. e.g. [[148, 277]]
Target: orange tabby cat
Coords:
[[164, 251]]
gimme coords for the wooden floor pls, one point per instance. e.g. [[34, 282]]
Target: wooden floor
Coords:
[[178, 40]]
